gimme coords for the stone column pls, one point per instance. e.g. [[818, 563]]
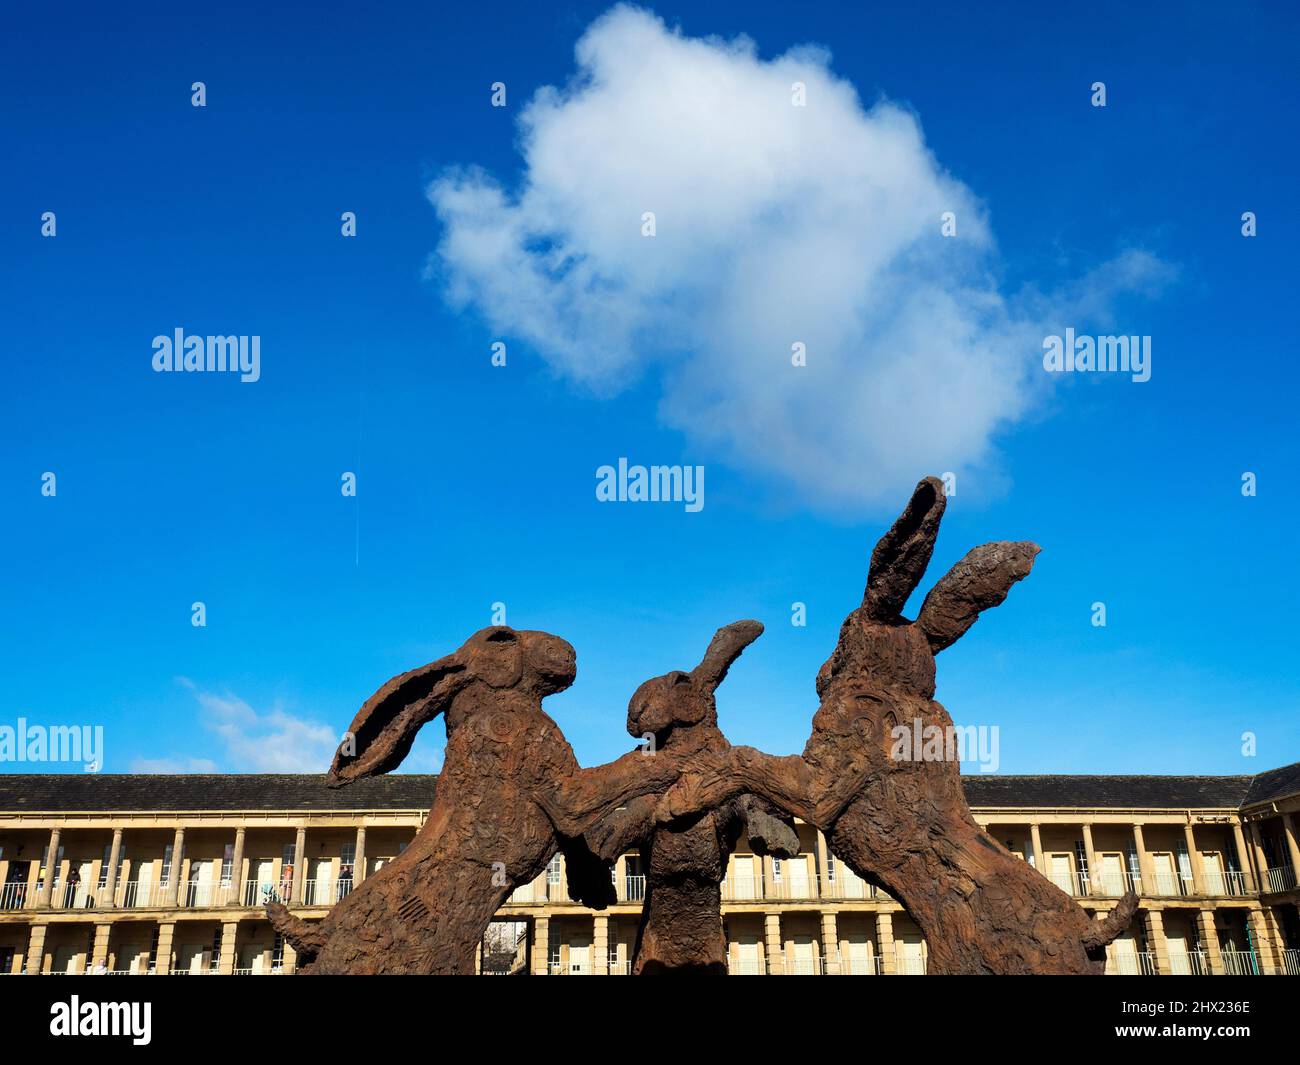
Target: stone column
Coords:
[[236, 897], [174, 874], [162, 962], [600, 945], [1243, 857], [541, 955], [1155, 928], [885, 943], [1261, 862], [830, 942], [1037, 838], [226, 963], [289, 959], [1194, 854], [1293, 848], [359, 859], [51, 872], [1095, 886], [36, 949], [1262, 938], [299, 860], [99, 952], [114, 860], [1210, 941], [775, 948], [825, 889], [1145, 870]]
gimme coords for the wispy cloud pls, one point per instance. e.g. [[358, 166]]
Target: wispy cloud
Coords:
[[775, 224]]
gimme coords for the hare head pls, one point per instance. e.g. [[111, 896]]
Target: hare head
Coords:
[[536, 664], [878, 647], [681, 700]]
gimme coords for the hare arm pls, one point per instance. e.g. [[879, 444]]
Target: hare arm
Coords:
[[980, 581], [578, 801]]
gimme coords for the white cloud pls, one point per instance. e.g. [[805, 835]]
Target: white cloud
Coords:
[[775, 224]]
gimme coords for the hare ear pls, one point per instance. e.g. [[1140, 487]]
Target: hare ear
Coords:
[[899, 560], [381, 734], [981, 580], [725, 648]]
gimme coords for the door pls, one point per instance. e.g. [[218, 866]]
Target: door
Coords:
[[851, 885], [263, 881], [798, 885], [202, 878], [580, 956], [322, 874], [856, 955], [911, 955], [803, 954], [744, 882], [1179, 963], [1112, 874], [1212, 861], [749, 956], [143, 891], [1124, 957], [1166, 875], [1060, 866]]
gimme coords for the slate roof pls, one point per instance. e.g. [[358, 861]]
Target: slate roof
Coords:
[[136, 792], [122, 792]]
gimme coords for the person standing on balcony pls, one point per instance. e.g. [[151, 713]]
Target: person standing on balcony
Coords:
[[74, 879]]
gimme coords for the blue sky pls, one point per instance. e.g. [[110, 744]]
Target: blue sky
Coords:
[[476, 484]]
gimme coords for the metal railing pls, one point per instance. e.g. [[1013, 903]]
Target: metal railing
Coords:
[[1173, 883], [793, 887], [1143, 963], [1291, 961], [804, 967], [747, 968], [1072, 883], [1281, 878], [841, 886], [909, 966], [742, 888], [13, 896], [1240, 963], [1230, 882], [873, 966], [202, 895], [1114, 883], [633, 889], [1188, 963], [136, 896]]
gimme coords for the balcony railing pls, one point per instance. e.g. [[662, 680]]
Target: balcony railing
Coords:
[[13, 896], [1240, 963], [793, 887], [742, 888], [1231, 882], [260, 892], [620, 968], [1073, 883], [199, 896], [633, 889], [849, 887], [1173, 883], [804, 967], [1142, 963], [136, 896], [1188, 963], [910, 966], [873, 966], [1114, 883], [1291, 961], [1281, 878], [747, 968]]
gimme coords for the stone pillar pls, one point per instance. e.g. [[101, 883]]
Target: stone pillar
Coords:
[[1293, 848], [1261, 936], [1037, 838], [236, 897], [174, 874], [1155, 928], [299, 860], [830, 943], [359, 859], [541, 947], [99, 952], [162, 962], [1145, 870], [1194, 853], [36, 948], [600, 945], [226, 963], [1261, 862], [825, 889], [1243, 858], [1210, 941], [885, 943], [51, 872], [289, 960], [775, 948], [114, 860], [1095, 886]]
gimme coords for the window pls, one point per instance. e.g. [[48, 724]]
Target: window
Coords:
[[553, 873], [227, 864], [348, 853], [830, 868], [776, 870], [103, 866], [166, 877]]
